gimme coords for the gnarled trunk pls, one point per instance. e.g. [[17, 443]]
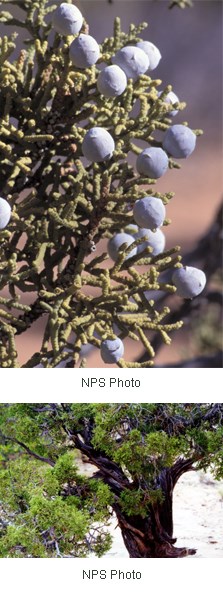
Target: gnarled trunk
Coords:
[[148, 538], [153, 536]]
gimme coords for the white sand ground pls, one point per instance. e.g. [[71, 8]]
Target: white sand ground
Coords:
[[198, 517]]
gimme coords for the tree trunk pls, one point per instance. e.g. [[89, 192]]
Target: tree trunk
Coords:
[[153, 536], [148, 538]]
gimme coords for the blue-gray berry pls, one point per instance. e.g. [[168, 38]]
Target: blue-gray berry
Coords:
[[84, 51], [149, 212], [132, 60], [117, 241], [98, 145], [179, 141], [170, 98], [112, 350], [5, 213], [152, 52], [189, 281], [152, 162], [154, 239], [112, 81], [67, 19]]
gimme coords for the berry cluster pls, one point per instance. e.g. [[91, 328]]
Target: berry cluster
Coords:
[[98, 145], [81, 108]]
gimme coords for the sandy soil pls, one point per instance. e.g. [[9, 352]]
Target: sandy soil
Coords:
[[198, 513]]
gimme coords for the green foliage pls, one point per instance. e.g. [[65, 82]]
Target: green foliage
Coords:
[[131, 452], [65, 519], [47, 520], [21, 540], [48, 525], [139, 502], [22, 423], [64, 469], [164, 447], [210, 444], [103, 544], [61, 208]]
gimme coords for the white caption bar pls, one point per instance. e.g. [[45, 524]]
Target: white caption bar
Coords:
[[111, 385], [51, 579]]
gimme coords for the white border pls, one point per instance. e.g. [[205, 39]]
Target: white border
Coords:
[[52, 580], [157, 385]]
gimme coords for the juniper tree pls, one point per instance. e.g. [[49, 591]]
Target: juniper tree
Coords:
[[63, 205], [139, 452]]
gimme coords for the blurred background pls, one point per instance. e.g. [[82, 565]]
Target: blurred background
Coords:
[[190, 42]]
